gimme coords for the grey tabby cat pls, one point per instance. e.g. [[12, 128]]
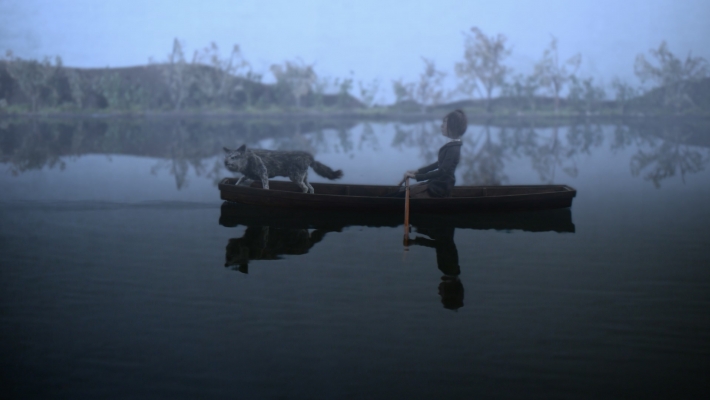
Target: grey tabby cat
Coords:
[[258, 164]]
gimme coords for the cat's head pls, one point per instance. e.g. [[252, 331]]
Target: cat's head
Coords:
[[236, 160]]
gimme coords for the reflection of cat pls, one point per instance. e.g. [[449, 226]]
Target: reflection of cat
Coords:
[[264, 243], [257, 164]]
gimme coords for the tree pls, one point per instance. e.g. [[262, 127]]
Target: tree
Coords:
[[368, 92], [429, 90], [297, 77], [623, 93], [76, 88], [344, 91], [403, 91], [483, 63], [673, 75], [218, 82], [33, 76], [178, 77], [553, 74], [522, 88], [584, 95]]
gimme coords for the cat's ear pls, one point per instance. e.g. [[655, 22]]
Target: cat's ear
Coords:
[[242, 148], [226, 150]]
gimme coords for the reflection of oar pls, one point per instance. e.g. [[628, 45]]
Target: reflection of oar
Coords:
[[406, 214]]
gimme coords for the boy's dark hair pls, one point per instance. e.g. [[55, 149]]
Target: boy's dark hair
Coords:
[[456, 123]]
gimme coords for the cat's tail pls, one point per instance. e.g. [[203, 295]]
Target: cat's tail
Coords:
[[325, 171]]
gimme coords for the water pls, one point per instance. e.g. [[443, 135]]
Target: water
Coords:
[[114, 282]]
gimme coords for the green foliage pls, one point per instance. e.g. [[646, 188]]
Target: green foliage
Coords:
[[34, 77], [76, 88], [120, 93]]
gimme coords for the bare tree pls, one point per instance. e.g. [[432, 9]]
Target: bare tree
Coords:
[[403, 91], [297, 77], [522, 88], [624, 92], [368, 92], [554, 74], [177, 75], [584, 95], [217, 83], [483, 63], [429, 90], [672, 74]]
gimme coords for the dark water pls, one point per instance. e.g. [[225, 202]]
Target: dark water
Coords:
[[113, 243]]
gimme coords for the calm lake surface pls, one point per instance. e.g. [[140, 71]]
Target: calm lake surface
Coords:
[[113, 245]]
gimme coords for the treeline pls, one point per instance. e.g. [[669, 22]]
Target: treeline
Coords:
[[485, 84], [207, 82]]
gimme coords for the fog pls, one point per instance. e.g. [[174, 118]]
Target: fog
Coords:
[[363, 40]]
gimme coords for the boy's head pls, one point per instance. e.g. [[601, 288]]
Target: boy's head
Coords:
[[456, 124]]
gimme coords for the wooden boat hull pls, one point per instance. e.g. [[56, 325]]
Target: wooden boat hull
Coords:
[[552, 220], [369, 198]]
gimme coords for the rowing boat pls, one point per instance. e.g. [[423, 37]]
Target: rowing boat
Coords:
[[552, 220], [372, 198]]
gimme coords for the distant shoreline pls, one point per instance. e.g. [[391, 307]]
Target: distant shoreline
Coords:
[[360, 115]]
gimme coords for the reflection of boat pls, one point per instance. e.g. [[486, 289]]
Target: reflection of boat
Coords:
[[346, 197], [233, 214]]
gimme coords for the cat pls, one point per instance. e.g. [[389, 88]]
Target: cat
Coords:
[[258, 164]]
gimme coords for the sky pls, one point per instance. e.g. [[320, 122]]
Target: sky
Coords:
[[364, 40]]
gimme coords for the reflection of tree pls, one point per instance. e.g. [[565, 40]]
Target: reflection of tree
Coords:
[[39, 146], [424, 135], [295, 141], [667, 155], [183, 152], [35, 143], [482, 159], [368, 138], [550, 153], [663, 149], [346, 143]]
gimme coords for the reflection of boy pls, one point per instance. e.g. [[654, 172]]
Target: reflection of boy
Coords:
[[447, 259]]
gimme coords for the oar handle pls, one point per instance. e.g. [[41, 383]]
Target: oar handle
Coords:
[[406, 211]]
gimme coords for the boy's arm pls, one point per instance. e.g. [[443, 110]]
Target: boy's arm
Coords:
[[448, 164], [428, 175], [431, 167], [428, 172]]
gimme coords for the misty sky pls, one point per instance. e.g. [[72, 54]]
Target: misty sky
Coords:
[[361, 39]]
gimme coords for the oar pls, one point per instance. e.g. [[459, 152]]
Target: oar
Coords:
[[406, 213]]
